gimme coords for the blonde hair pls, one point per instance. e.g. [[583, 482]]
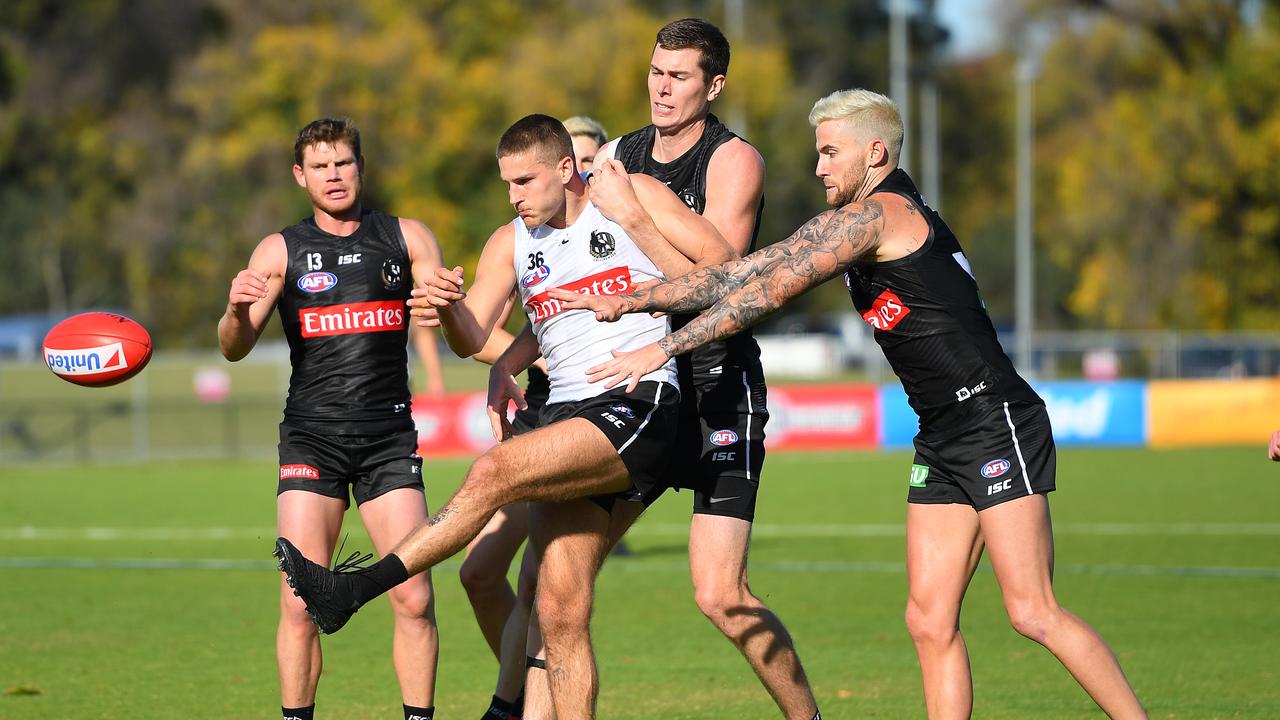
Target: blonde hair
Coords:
[[583, 125], [872, 114]]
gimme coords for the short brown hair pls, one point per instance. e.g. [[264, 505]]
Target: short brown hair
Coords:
[[696, 33], [328, 131], [542, 134]]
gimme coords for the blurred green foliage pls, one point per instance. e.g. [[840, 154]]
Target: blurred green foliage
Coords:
[[145, 145]]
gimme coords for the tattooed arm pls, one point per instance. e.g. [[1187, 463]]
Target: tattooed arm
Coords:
[[701, 288], [850, 234]]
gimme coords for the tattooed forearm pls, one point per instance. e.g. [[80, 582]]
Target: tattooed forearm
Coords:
[[441, 515], [702, 288], [847, 238]]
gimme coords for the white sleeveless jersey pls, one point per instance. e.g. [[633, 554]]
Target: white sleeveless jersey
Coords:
[[593, 256]]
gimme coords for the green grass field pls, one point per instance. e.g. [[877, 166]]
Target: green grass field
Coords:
[[147, 592]]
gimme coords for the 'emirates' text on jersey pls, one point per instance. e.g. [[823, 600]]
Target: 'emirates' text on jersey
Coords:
[[592, 256], [933, 327], [687, 178], [344, 315]]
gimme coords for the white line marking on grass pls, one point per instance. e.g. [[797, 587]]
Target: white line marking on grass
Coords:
[[646, 529], [639, 566]]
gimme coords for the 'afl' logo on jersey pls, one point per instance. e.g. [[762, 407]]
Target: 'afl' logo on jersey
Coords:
[[315, 282], [391, 274], [602, 245], [689, 199], [535, 276], [995, 468], [724, 437]]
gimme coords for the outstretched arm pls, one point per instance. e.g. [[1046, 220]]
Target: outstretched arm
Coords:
[[851, 234], [702, 288], [468, 317]]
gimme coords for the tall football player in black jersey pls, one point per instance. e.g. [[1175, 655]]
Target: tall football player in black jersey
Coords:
[[985, 457], [340, 279], [720, 447]]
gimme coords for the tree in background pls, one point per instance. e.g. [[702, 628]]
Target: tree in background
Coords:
[[139, 167]]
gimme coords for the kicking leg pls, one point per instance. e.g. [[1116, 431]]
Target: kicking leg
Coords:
[[1019, 536], [943, 548], [565, 460]]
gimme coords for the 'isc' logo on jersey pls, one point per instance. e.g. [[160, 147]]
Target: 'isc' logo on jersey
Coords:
[[314, 282], [723, 437], [886, 312]]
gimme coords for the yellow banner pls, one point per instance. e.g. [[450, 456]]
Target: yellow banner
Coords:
[[1212, 412]]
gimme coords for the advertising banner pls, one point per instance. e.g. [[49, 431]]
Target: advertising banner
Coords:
[[1093, 413], [828, 417], [1082, 413], [1213, 412], [810, 417]]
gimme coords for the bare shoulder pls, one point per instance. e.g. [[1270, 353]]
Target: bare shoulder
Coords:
[[270, 254], [420, 241], [903, 228], [417, 229], [737, 159], [606, 152], [505, 234]]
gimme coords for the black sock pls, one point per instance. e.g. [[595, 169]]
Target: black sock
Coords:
[[500, 709], [377, 578], [533, 662], [417, 713], [519, 703], [302, 713]]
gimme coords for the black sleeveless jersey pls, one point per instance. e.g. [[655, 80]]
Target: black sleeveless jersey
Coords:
[[930, 321], [344, 315], [687, 178]]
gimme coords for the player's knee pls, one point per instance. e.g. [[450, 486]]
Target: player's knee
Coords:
[[485, 479], [415, 604], [527, 586], [930, 627], [294, 619], [1031, 619], [480, 578], [723, 601], [414, 600], [560, 613]]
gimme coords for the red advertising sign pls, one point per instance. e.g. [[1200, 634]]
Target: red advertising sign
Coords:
[[822, 417], [801, 417]]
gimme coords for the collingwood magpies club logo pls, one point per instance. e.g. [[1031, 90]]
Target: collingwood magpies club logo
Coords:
[[602, 245], [391, 274]]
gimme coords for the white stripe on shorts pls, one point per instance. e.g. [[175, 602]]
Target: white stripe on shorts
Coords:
[[747, 440], [657, 396], [1026, 480]]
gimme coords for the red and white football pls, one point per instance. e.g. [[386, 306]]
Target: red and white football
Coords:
[[97, 349]]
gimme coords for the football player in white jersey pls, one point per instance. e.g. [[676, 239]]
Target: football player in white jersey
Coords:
[[593, 445]]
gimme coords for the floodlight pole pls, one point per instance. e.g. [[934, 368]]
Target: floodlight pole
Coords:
[[735, 13], [899, 72], [1026, 72]]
